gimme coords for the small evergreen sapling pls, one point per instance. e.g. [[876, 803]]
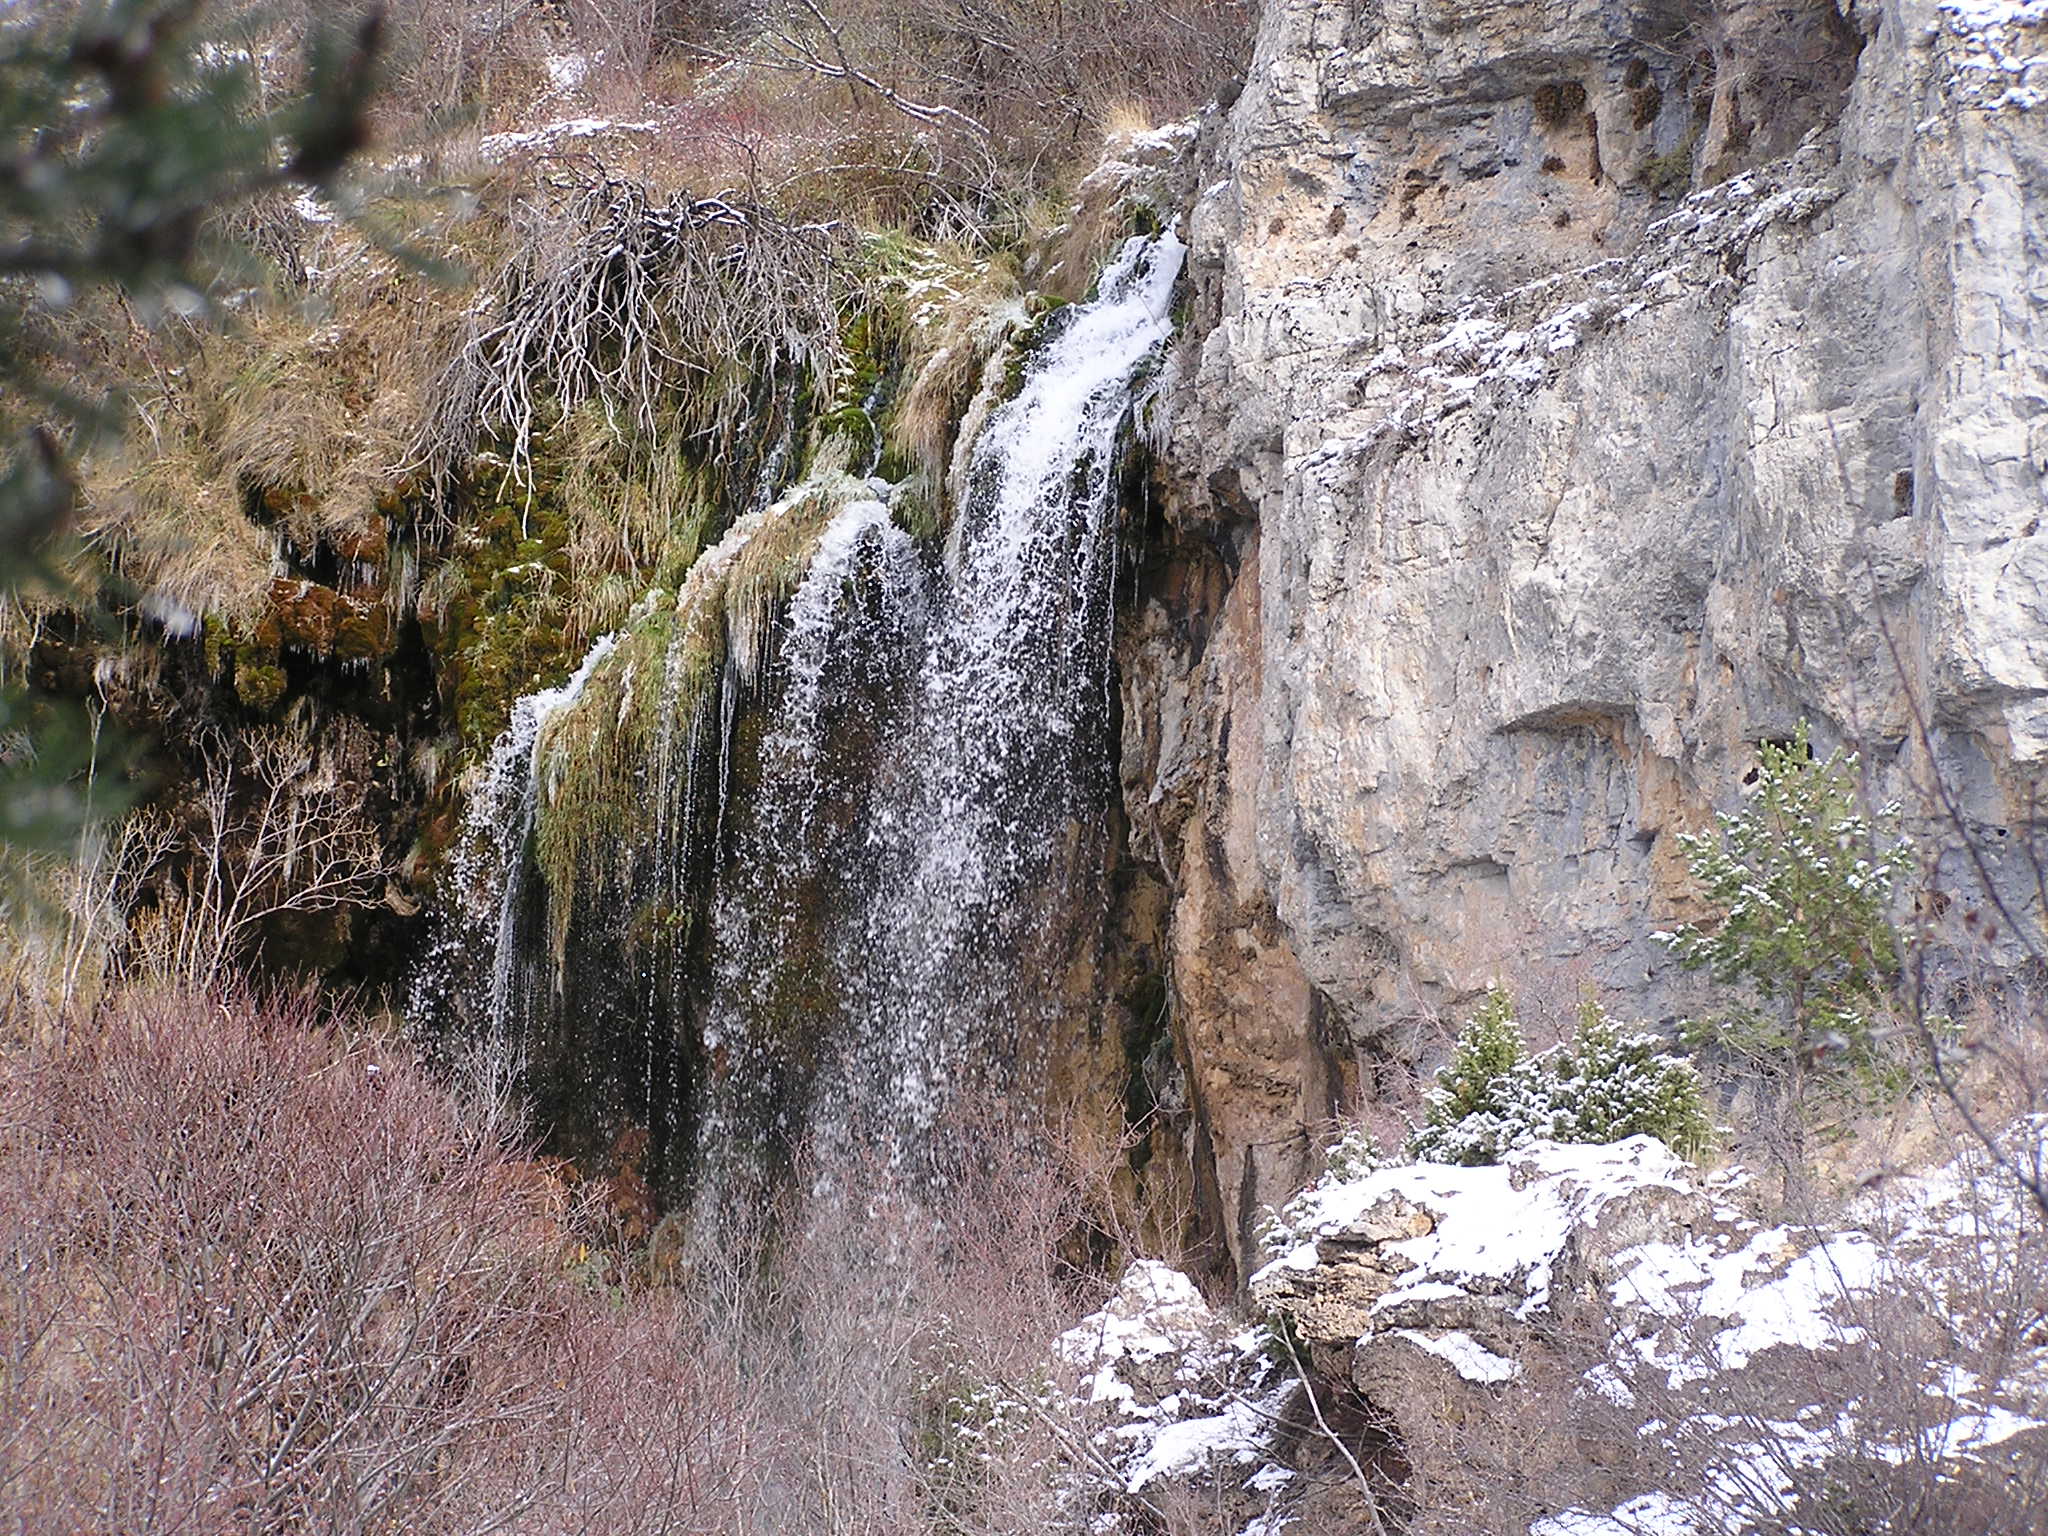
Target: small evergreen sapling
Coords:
[[1805, 880], [1605, 1085], [1488, 1051]]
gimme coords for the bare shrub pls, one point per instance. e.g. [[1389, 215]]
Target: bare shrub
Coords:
[[254, 1278], [444, 61], [976, 108], [1032, 73], [1901, 1402], [273, 829], [259, 1278], [899, 1331]]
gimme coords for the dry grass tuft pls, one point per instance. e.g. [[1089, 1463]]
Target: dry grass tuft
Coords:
[[291, 419], [954, 313]]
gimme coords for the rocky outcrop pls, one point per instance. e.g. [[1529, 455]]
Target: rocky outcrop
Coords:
[[1577, 395], [1466, 1261], [1594, 1328]]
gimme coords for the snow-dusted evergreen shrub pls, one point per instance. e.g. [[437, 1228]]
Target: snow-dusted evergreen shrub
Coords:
[[1605, 1085], [1805, 880], [1352, 1156], [1489, 1049]]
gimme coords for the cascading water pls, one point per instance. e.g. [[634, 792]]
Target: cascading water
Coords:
[[493, 876], [869, 921], [938, 939], [1002, 762], [849, 642]]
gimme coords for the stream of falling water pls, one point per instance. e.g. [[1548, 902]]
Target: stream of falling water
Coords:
[[1004, 757], [493, 876], [932, 767]]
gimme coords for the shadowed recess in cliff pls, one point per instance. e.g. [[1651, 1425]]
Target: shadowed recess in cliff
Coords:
[[814, 836]]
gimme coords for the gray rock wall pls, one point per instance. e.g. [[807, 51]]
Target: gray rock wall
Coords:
[[1578, 393]]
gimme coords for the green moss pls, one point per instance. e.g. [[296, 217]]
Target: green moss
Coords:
[[362, 631], [537, 571], [505, 631], [250, 665], [917, 509], [865, 389], [1026, 342], [260, 686], [597, 758], [218, 643]]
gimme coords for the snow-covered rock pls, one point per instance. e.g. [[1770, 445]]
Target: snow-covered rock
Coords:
[[1437, 1250], [1167, 1387], [1731, 1364]]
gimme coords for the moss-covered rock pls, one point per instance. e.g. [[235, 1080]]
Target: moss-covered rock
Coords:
[[303, 615], [217, 644], [504, 629], [260, 682], [1670, 174], [366, 543], [363, 631]]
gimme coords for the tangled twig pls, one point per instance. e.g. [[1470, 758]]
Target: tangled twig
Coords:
[[667, 315]]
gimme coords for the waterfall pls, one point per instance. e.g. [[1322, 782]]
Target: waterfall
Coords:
[[924, 953], [862, 840], [493, 879], [1003, 759], [849, 641], [826, 622]]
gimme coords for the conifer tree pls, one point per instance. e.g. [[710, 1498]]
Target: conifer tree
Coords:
[[1604, 1085], [1803, 879]]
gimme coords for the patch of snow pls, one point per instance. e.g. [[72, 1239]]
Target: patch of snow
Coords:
[[1492, 1231], [567, 71], [1171, 139], [1466, 341], [1166, 1390], [1995, 56], [1491, 348], [1241, 1432], [1465, 1355], [1751, 1299], [1302, 1256], [1653, 1514], [1794, 1308], [1980, 1431], [1609, 1383], [1268, 1478], [501, 146], [1156, 1311]]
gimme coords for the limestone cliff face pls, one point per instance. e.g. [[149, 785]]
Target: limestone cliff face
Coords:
[[1577, 393]]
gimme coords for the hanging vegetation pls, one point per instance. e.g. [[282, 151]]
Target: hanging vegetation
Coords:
[[677, 318]]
